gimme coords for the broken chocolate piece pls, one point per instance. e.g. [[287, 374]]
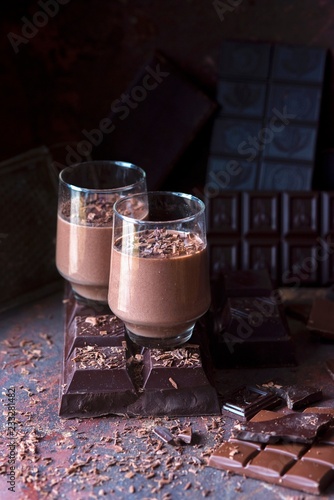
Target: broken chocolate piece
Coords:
[[246, 401], [164, 434], [294, 427], [321, 319], [296, 396], [186, 435], [320, 409]]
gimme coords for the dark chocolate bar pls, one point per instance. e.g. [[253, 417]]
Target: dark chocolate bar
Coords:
[[293, 427], [249, 329], [277, 467], [289, 234], [104, 373], [246, 401], [305, 467], [270, 99]]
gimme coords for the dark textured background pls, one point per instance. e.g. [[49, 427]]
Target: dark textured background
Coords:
[[65, 78]]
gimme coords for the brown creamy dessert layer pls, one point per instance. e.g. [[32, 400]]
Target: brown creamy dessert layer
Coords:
[[84, 234], [159, 284], [83, 257]]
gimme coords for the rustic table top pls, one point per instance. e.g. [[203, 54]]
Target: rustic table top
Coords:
[[115, 457]]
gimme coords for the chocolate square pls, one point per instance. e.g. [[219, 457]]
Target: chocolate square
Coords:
[[292, 143], [300, 262], [261, 213], [224, 255], [301, 213], [262, 253], [223, 213], [244, 98], [231, 137], [244, 59], [299, 103], [285, 176], [298, 63], [224, 173]]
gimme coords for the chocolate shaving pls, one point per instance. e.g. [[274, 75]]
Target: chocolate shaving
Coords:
[[161, 243]]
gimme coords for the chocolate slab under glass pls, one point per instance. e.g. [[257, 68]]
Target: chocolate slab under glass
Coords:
[[104, 373]]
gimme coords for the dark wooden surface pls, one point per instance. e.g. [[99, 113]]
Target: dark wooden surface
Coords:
[[112, 457]]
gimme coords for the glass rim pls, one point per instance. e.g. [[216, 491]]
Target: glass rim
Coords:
[[124, 164], [177, 194]]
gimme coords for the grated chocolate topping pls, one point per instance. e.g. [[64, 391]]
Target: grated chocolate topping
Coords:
[[98, 210], [161, 243]]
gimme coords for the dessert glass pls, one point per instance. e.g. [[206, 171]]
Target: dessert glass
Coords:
[[87, 193], [159, 276]]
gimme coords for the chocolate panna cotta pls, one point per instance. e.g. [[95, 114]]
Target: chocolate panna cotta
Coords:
[[159, 284]]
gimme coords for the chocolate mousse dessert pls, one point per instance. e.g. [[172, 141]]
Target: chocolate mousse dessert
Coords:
[[159, 283], [83, 247], [84, 242]]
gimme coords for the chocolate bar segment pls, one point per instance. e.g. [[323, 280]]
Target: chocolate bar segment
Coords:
[[98, 369], [306, 467], [104, 373]]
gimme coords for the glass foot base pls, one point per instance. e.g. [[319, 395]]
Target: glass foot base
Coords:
[[166, 343]]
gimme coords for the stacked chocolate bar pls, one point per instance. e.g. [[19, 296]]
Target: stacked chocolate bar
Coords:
[[104, 373]]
